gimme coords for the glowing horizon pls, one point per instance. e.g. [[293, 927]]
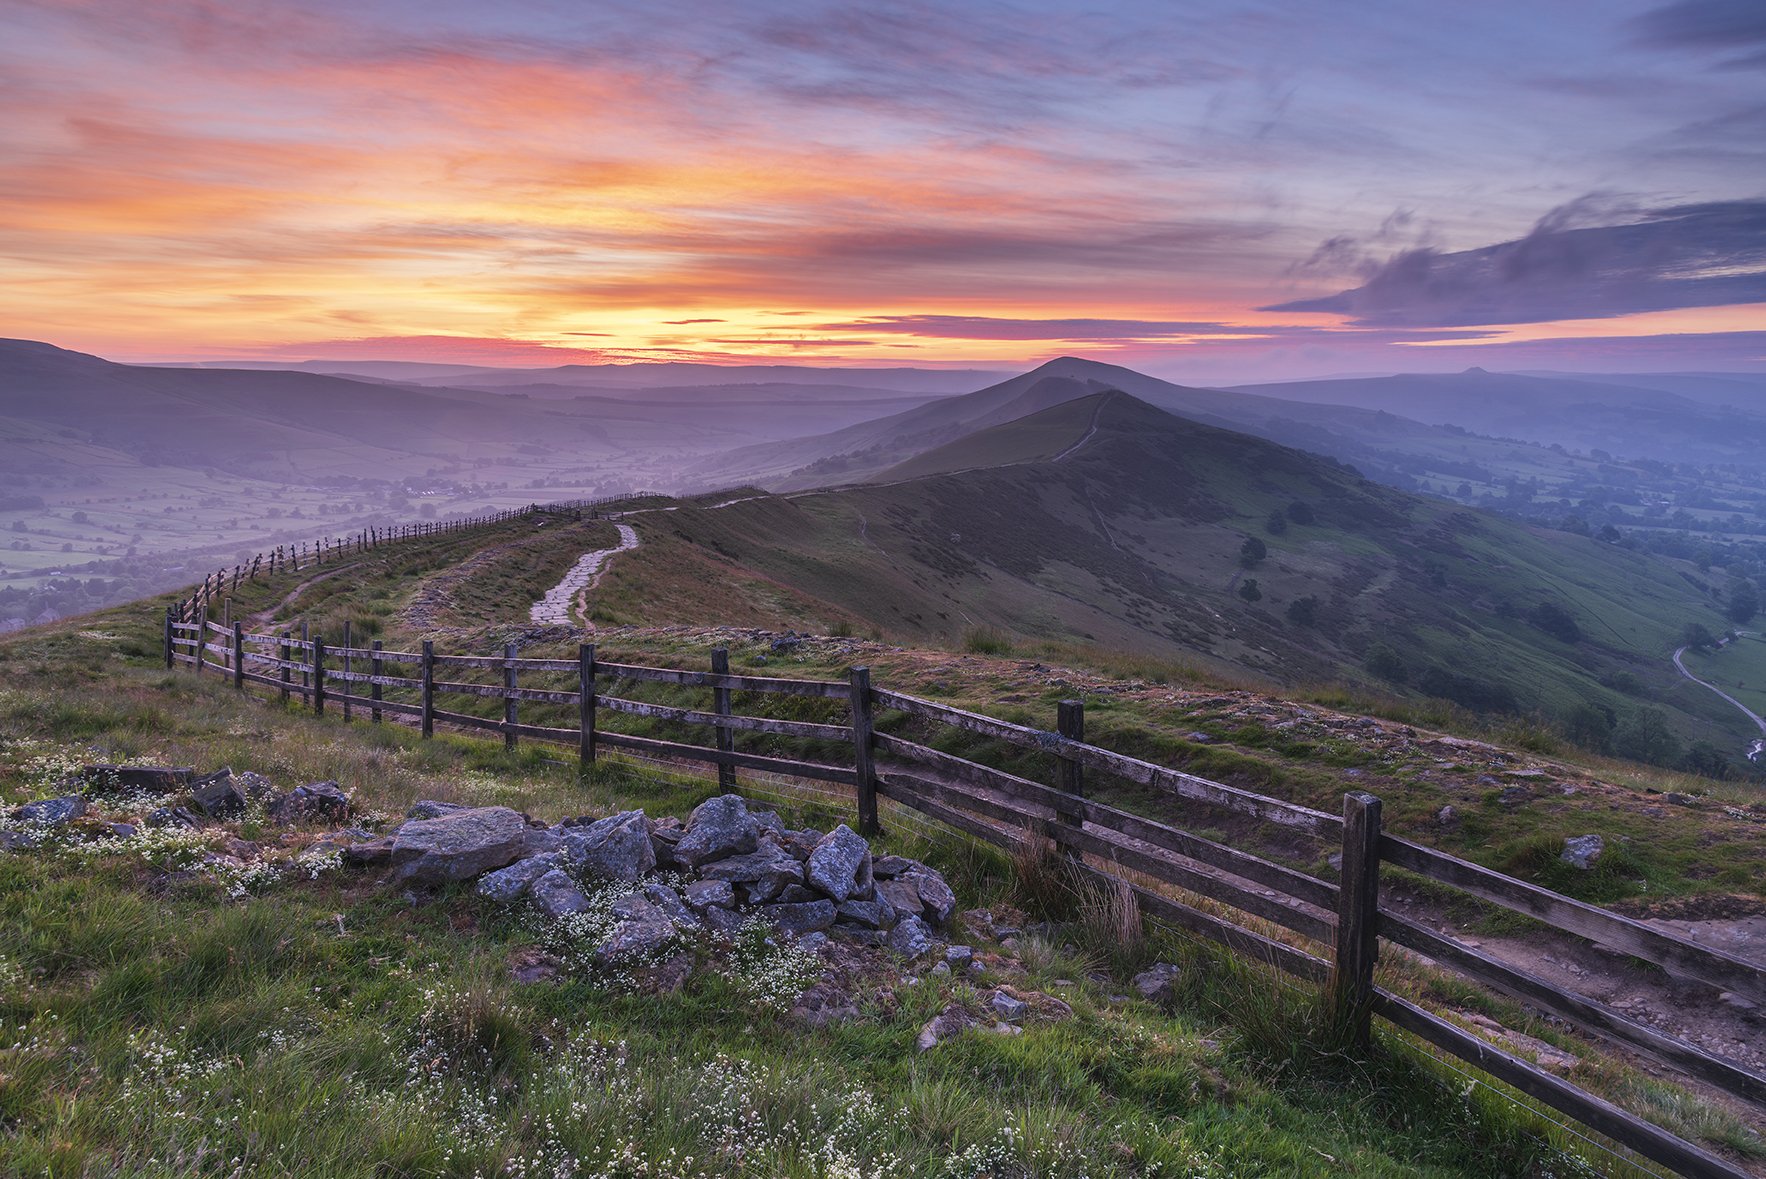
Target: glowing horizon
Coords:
[[1233, 193]]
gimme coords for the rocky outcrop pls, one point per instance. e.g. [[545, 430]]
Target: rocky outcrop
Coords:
[[458, 845]]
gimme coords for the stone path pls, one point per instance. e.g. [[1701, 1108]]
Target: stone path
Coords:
[[556, 607]]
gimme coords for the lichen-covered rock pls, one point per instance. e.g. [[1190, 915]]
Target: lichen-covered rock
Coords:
[[642, 931], [952, 1021], [797, 920], [51, 812], [1158, 983], [506, 885], [670, 902], [936, 897], [458, 845], [717, 829], [220, 795], [615, 848], [172, 816], [840, 865], [889, 867], [1581, 851], [910, 938], [701, 895], [763, 873], [316, 802], [556, 895], [430, 808], [1008, 1007], [877, 914]]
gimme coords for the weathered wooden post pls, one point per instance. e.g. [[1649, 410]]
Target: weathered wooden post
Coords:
[[318, 675], [374, 666], [861, 749], [428, 665], [347, 685], [1070, 723], [726, 739], [585, 705], [168, 637], [1358, 920], [509, 703], [239, 655], [306, 636], [283, 655]]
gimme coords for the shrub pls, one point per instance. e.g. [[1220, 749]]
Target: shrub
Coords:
[[1386, 663], [1252, 551], [1555, 621], [1250, 591], [1303, 611], [985, 640], [1644, 735]]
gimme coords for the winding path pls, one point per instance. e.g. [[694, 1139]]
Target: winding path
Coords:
[[1748, 712], [565, 598]]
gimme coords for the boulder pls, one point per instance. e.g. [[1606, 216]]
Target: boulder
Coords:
[[220, 795], [959, 957], [316, 802], [726, 922], [458, 845], [840, 865], [642, 931], [369, 852], [935, 895], [889, 867], [1581, 851], [801, 843], [877, 914], [952, 1021], [1158, 983], [670, 902], [717, 829], [1008, 1007], [768, 821], [430, 808], [506, 885], [51, 812], [556, 895], [170, 816], [797, 920], [797, 894], [665, 833], [763, 873], [701, 895], [910, 938], [16, 841], [615, 848]]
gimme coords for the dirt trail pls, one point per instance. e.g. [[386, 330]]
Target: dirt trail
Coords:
[[570, 596]]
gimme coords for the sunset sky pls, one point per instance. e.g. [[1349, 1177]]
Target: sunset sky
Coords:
[[1208, 191]]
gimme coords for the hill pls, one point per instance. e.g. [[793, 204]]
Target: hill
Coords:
[[1105, 520]]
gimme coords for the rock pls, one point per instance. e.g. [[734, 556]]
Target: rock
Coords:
[[726, 922], [541, 841], [1199, 738], [430, 808], [877, 914], [317, 802], [889, 867], [952, 1021], [531, 965], [458, 845], [556, 895], [942, 970], [825, 1003], [255, 787], [169, 816], [862, 937], [840, 865], [1002, 1028], [17, 841], [1008, 1007], [644, 930], [669, 901], [615, 848], [1513, 796], [797, 894], [813, 942], [665, 833], [959, 956], [717, 829], [900, 895], [910, 938], [701, 895], [101, 779], [668, 978], [935, 895], [1447, 817], [801, 918], [219, 795], [51, 812], [1158, 983], [769, 821], [120, 830], [801, 843], [373, 851], [1581, 851], [764, 873], [506, 885]]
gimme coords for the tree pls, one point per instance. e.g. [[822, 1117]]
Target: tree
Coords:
[[1697, 637], [1590, 726], [1303, 611], [1252, 551], [1644, 735], [1300, 512], [1555, 621], [1607, 534], [1250, 591], [1707, 761], [1276, 524], [1744, 601], [1388, 664]]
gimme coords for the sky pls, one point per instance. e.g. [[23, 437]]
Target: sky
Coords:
[[1205, 191]]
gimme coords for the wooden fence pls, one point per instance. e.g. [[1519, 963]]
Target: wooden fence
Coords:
[[1340, 924], [330, 549]]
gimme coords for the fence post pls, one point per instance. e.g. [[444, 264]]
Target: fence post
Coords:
[[347, 686], [318, 675], [585, 688], [509, 703], [201, 640], [428, 688], [306, 638], [239, 654], [282, 654], [1070, 723], [168, 637], [374, 666], [861, 749], [726, 739], [1358, 919]]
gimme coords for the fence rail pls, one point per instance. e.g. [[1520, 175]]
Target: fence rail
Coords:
[[1340, 924]]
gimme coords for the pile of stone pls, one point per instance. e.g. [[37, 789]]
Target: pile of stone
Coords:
[[725, 865]]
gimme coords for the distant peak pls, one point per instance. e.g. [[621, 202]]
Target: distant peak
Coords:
[[1482, 372]]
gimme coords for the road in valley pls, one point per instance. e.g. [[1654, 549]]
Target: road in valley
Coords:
[[1758, 746]]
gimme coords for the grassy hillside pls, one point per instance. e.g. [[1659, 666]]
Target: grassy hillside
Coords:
[[1136, 540], [158, 1025]]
